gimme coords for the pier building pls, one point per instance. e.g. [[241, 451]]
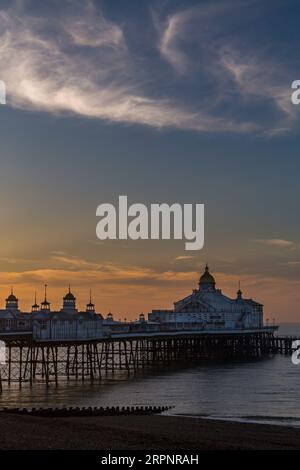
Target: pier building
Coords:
[[208, 308]]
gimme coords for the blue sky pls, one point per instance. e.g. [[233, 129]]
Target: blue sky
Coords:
[[162, 101]]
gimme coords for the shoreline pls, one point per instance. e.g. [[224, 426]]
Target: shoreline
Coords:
[[288, 422], [135, 432]]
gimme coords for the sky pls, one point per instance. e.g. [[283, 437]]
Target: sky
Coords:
[[163, 101]]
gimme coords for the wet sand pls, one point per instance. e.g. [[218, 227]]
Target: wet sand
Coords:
[[154, 432]]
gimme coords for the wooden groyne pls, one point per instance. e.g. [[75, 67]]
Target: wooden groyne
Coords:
[[88, 411]]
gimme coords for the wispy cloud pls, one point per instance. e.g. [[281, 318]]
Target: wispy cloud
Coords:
[[169, 44], [81, 64], [93, 30], [75, 60], [184, 27], [277, 242], [197, 41], [263, 80], [85, 68], [73, 262]]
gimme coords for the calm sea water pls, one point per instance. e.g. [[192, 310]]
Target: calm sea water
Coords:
[[267, 390]]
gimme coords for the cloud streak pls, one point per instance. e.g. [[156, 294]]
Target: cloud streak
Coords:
[[75, 60], [263, 81], [81, 64], [86, 69], [182, 28], [277, 243], [244, 76]]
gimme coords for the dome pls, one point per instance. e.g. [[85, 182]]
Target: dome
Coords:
[[69, 295], [12, 298], [206, 277], [11, 301]]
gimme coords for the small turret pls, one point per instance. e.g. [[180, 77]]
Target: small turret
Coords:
[[239, 292], [110, 317], [45, 305], [90, 307], [35, 307]]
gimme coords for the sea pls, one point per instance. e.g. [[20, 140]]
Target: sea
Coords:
[[261, 391]]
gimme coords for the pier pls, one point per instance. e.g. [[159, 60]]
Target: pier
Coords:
[[70, 344], [30, 361]]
